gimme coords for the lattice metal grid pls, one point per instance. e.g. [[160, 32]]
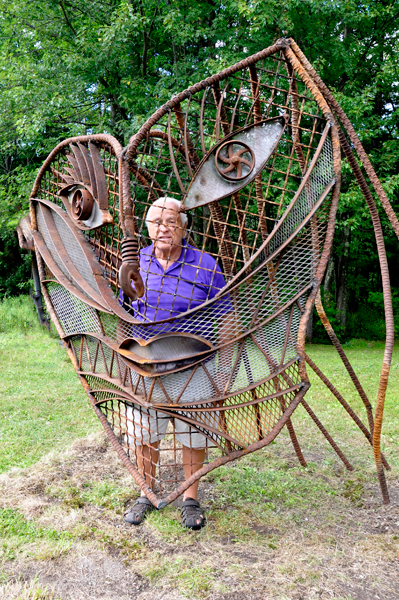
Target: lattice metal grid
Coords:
[[270, 237]]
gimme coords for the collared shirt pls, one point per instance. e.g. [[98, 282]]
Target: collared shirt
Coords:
[[187, 283]]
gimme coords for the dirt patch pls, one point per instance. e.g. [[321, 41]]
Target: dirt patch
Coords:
[[339, 548]]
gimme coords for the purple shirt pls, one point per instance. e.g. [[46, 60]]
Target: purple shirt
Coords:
[[194, 278]]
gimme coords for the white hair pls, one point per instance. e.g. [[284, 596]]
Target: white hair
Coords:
[[162, 202]]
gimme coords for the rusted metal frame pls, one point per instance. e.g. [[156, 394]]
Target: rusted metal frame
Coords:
[[86, 345], [290, 426], [110, 399], [326, 435], [241, 216], [389, 320], [139, 175], [201, 123], [283, 218], [273, 89], [315, 419], [108, 298], [64, 257], [152, 385], [287, 174], [190, 152], [110, 304], [125, 375], [96, 357], [104, 138], [330, 228], [172, 157], [72, 347], [220, 403], [78, 175], [335, 106], [223, 238], [250, 377], [261, 324], [345, 404], [105, 360], [285, 244], [81, 163], [175, 414], [101, 184], [117, 447], [119, 450], [238, 453], [216, 408], [326, 250], [208, 82], [134, 398], [159, 381], [162, 135], [287, 335], [228, 396], [222, 233], [233, 116], [81, 345], [90, 168], [258, 180], [295, 118], [117, 393], [67, 179], [272, 278], [183, 128], [313, 132], [194, 370], [61, 279], [336, 343], [221, 117]]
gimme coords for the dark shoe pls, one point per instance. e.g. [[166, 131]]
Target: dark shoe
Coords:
[[192, 515], [137, 513]]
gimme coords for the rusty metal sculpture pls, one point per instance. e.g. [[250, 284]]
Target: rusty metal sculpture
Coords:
[[254, 154]]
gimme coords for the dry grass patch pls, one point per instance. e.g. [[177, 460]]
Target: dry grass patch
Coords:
[[316, 533]]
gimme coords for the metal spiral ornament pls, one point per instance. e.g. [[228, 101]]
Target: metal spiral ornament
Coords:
[[129, 271]]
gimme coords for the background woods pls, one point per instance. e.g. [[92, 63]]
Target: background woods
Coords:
[[70, 67]]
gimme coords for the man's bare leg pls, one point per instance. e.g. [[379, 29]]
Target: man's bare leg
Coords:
[[147, 458], [193, 459]]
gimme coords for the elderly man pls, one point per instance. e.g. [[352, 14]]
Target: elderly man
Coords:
[[177, 277]]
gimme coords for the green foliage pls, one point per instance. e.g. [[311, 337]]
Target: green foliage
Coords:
[[78, 66]]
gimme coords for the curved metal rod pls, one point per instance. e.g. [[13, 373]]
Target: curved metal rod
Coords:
[[352, 136], [345, 404], [172, 156]]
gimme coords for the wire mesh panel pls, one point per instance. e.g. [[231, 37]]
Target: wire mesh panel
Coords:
[[180, 271]]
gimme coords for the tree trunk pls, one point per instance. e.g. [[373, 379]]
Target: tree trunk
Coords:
[[309, 328], [341, 278], [329, 278]]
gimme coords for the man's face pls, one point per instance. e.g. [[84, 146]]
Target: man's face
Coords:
[[165, 228]]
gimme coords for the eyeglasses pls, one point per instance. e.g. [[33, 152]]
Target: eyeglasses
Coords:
[[170, 224]]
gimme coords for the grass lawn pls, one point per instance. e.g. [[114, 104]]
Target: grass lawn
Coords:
[[275, 529]]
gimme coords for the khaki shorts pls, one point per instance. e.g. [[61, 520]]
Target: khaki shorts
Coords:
[[145, 426]]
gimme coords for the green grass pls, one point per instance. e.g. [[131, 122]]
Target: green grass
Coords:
[[20, 536], [43, 406], [18, 315]]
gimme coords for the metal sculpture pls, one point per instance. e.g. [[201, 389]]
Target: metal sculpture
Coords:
[[253, 153]]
